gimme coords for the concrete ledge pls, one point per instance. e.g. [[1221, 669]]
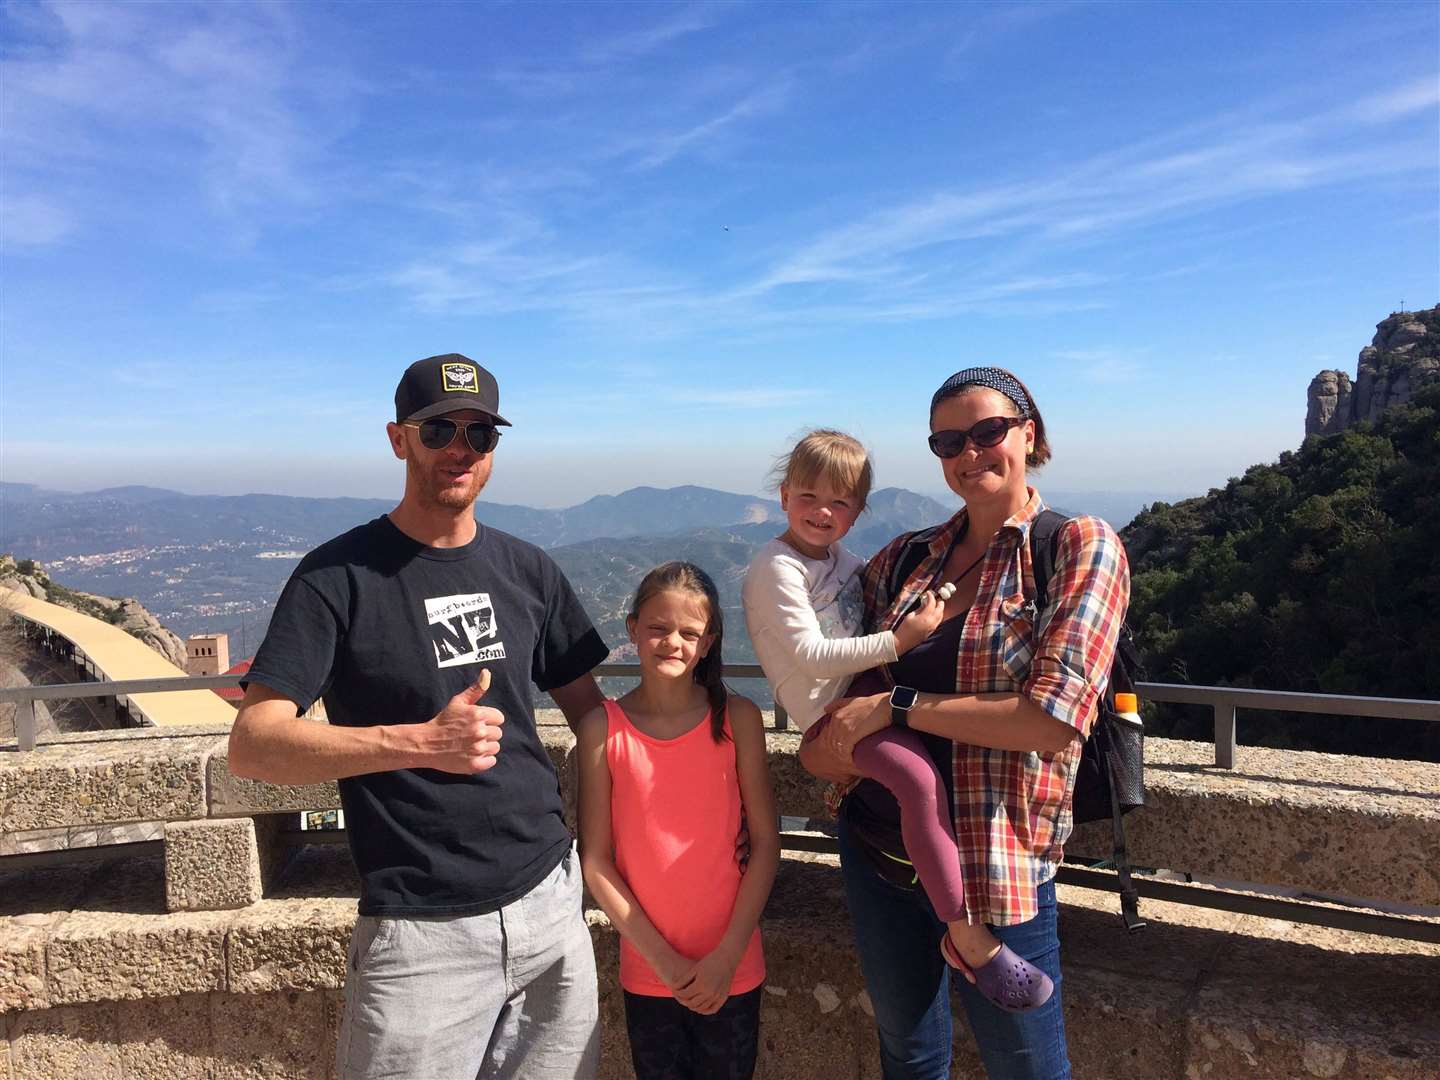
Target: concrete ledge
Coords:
[[121, 945], [73, 781], [1362, 827], [234, 796], [1351, 826], [296, 944], [132, 991]]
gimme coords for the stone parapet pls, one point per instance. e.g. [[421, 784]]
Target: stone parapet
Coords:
[[1322, 822], [78, 780], [1331, 824], [235, 796], [255, 992]]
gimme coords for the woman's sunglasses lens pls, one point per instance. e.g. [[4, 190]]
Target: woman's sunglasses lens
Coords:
[[947, 444], [436, 434], [989, 432]]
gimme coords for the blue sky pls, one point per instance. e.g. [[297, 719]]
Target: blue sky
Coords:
[[681, 233]]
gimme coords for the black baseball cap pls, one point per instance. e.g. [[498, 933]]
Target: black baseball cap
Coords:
[[442, 384]]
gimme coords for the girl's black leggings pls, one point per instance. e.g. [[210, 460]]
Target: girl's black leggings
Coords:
[[669, 1042]]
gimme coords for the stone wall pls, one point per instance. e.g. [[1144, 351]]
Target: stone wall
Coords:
[[115, 969], [112, 985], [1321, 822]]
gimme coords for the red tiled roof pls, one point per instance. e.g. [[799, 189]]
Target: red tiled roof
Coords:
[[234, 694]]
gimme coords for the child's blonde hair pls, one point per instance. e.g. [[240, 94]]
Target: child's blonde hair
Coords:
[[832, 456]]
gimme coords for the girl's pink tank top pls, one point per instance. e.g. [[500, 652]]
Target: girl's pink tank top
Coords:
[[674, 815]]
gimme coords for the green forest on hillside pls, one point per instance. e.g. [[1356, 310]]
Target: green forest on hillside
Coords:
[[1317, 573]]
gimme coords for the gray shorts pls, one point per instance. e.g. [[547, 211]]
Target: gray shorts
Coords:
[[508, 994]]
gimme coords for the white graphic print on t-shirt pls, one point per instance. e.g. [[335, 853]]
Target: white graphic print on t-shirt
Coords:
[[458, 624]]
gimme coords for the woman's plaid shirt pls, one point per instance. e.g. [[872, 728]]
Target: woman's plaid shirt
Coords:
[[1012, 809]]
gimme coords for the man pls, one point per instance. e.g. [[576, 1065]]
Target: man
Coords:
[[423, 632]]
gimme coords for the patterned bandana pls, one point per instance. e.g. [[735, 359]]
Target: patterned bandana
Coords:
[[992, 379]]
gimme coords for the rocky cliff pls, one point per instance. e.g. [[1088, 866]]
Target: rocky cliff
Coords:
[[1404, 356], [28, 576]]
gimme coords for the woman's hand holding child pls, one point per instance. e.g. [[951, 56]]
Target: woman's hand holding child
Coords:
[[851, 719]]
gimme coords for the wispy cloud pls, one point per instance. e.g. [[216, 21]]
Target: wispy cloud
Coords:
[[1151, 182], [222, 95], [660, 149], [1006, 245], [34, 220], [633, 44], [1104, 365], [1419, 96], [586, 69]]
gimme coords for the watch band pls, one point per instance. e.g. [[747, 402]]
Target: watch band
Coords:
[[902, 700]]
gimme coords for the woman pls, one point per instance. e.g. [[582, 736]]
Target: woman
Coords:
[[1005, 698]]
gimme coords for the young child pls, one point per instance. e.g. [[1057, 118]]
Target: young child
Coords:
[[803, 607], [666, 773]]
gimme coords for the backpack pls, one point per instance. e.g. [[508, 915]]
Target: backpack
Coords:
[[1110, 775]]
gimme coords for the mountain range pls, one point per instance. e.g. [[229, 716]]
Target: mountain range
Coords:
[[210, 563], [217, 563]]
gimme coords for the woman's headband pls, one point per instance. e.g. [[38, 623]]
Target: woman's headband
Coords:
[[1002, 382]]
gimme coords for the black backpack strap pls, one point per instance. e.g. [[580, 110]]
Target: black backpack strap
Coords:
[[917, 546], [1044, 542], [1044, 539]]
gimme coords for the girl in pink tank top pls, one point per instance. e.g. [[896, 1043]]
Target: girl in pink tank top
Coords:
[[667, 775]]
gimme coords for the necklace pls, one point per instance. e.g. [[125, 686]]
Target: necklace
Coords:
[[961, 576]]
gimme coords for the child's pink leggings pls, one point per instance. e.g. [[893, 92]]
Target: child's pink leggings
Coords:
[[896, 758]]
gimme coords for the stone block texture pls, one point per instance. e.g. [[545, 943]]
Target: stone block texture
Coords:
[[211, 865], [99, 956], [68, 1043], [104, 782], [289, 945], [22, 967], [287, 1038], [166, 1038], [235, 796]]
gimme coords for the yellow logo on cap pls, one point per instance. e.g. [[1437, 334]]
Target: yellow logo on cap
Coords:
[[462, 377]]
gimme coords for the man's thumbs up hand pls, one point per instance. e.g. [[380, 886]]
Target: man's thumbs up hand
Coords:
[[463, 737]]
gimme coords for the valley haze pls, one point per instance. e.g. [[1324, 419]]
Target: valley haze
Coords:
[[217, 563]]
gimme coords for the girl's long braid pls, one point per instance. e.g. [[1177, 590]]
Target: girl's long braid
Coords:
[[710, 673]]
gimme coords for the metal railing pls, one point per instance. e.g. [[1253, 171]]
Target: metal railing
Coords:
[[1225, 701]]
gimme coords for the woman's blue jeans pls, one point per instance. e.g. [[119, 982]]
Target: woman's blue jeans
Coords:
[[909, 983]]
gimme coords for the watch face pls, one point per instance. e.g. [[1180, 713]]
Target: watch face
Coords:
[[903, 697]]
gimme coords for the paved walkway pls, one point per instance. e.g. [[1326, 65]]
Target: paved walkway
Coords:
[[116, 655]]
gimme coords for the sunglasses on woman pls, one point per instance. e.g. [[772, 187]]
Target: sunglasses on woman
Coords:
[[988, 432], [437, 433]]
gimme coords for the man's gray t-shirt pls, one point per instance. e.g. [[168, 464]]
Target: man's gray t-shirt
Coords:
[[386, 631]]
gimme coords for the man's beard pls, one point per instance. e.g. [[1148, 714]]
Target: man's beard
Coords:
[[447, 497]]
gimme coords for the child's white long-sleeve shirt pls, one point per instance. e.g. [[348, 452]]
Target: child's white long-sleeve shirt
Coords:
[[802, 615]]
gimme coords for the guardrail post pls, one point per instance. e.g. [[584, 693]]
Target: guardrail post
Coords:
[[25, 724], [1225, 735], [782, 718]]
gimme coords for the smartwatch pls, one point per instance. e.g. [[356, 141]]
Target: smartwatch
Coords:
[[902, 699]]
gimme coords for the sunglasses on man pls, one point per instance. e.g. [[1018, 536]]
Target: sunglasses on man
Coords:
[[438, 432], [988, 432]]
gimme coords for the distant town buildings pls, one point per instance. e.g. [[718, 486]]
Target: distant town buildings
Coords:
[[207, 654]]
